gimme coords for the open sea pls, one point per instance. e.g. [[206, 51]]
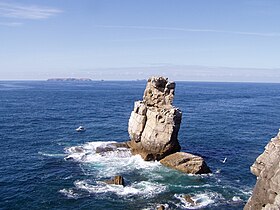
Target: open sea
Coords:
[[46, 164]]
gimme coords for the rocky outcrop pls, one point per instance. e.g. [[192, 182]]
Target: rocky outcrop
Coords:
[[153, 128], [154, 123], [111, 147], [266, 193], [186, 162], [117, 180], [189, 199]]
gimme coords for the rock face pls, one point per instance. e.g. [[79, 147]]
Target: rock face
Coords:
[[266, 193], [154, 123], [186, 162]]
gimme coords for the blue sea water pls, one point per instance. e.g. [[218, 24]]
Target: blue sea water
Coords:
[[38, 121]]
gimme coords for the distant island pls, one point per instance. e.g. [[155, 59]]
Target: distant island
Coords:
[[69, 80]]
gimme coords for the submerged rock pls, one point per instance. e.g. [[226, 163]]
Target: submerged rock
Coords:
[[117, 180], [266, 193], [186, 162], [154, 123]]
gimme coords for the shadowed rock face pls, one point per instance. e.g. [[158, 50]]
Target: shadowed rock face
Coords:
[[266, 193], [154, 123]]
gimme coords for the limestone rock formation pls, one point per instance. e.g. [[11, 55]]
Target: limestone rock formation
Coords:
[[266, 193], [154, 123], [186, 162]]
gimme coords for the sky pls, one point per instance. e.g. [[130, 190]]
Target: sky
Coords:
[[192, 40]]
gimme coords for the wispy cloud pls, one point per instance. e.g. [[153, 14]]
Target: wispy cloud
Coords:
[[272, 34], [12, 10], [10, 24]]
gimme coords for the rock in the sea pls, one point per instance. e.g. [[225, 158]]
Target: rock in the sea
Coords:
[[111, 147], [189, 199], [117, 180], [154, 123], [186, 162], [161, 207], [266, 193]]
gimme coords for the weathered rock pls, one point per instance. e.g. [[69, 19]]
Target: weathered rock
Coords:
[[189, 199], [117, 180], [159, 92], [186, 162], [266, 193], [154, 123]]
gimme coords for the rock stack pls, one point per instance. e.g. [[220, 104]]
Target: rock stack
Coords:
[[266, 193], [154, 125]]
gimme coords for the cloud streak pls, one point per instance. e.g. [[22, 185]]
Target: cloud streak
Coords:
[[193, 30], [12, 24], [11, 10]]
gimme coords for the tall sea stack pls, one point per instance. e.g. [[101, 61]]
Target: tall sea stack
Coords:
[[153, 129], [266, 193], [154, 123]]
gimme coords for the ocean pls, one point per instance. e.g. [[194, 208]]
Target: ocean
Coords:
[[42, 166]]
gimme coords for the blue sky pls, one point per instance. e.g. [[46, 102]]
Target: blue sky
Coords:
[[196, 40]]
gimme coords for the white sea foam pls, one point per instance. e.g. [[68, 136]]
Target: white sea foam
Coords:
[[193, 186], [114, 161], [68, 177], [236, 199], [51, 155], [201, 200], [69, 193], [218, 171], [247, 191], [143, 188]]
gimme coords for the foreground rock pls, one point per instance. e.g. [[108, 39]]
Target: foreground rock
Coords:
[[186, 162], [117, 180], [266, 193], [154, 123]]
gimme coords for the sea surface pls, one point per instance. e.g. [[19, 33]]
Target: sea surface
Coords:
[[46, 164]]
